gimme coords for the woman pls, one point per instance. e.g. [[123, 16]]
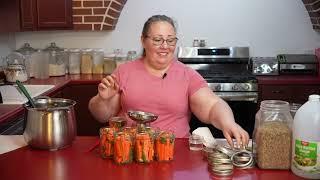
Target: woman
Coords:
[[160, 84]]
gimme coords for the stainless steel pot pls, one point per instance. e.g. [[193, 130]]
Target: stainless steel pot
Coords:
[[51, 124]]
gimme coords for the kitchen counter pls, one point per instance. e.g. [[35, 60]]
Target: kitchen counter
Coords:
[[9, 111], [288, 79], [77, 162]]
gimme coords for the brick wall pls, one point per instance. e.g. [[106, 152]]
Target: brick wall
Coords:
[[96, 14], [313, 8]]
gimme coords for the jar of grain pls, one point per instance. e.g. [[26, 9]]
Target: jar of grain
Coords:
[[86, 61], [108, 65], [272, 135], [98, 55]]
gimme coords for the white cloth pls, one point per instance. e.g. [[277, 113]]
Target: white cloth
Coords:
[[205, 132]]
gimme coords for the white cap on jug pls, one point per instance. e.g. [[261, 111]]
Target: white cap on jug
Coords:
[[314, 97]]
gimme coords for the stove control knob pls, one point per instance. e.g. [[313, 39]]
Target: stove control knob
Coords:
[[217, 87], [236, 87], [246, 87]]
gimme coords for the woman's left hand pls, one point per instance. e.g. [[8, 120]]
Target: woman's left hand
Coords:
[[233, 130]]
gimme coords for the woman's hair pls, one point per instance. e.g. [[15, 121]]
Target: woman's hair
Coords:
[[153, 19]]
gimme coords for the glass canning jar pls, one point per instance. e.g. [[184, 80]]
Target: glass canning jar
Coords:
[[98, 55], [86, 61], [74, 61], [57, 60], [272, 135], [123, 148]]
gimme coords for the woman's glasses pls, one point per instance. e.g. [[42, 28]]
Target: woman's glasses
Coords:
[[158, 41]]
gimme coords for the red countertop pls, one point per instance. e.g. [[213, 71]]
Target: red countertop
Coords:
[[76, 162]]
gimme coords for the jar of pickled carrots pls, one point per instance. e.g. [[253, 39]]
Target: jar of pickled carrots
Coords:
[[106, 142], [117, 123], [164, 146], [144, 148], [123, 148]]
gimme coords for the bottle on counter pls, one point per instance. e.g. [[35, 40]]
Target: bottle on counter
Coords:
[[306, 139], [74, 61], [86, 61]]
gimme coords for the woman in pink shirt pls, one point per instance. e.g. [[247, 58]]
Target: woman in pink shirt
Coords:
[[160, 84]]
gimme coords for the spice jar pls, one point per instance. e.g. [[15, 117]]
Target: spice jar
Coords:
[[123, 148], [86, 61], [98, 55], [74, 61], [272, 135], [106, 142]]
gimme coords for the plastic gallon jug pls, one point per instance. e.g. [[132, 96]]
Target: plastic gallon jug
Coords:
[[306, 140]]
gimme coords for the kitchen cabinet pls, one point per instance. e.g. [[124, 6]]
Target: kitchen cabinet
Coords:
[[82, 93], [9, 16], [288, 92], [46, 14]]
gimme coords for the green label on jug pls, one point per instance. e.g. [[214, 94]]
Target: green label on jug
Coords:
[[306, 149], [306, 156]]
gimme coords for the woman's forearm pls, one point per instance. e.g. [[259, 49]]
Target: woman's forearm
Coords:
[[102, 109], [221, 115]]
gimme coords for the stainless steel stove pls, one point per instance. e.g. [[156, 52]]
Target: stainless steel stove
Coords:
[[227, 73]]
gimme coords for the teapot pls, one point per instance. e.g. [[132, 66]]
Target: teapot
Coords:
[[15, 68]]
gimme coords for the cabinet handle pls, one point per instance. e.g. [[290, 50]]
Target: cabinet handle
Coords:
[[276, 91]]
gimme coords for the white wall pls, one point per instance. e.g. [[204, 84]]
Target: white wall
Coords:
[[7, 44], [268, 27]]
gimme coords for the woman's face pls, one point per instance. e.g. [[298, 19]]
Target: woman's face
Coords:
[[158, 54]]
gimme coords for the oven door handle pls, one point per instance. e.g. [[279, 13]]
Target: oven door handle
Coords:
[[238, 96]]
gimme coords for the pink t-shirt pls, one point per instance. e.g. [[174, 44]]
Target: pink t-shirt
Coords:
[[166, 97]]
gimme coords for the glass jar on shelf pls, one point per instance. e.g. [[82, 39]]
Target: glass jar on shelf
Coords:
[[27, 51], [272, 135], [86, 61], [57, 60], [109, 65], [74, 61], [131, 55], [98, 55]]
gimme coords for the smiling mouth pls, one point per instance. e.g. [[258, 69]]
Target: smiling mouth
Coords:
[[162, 54]]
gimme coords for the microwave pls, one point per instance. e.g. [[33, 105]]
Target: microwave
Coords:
[[264, 65]]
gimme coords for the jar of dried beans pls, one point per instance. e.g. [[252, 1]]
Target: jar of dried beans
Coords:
[[272, 135]]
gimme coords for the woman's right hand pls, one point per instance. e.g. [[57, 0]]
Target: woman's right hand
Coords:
[[108, 87]]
